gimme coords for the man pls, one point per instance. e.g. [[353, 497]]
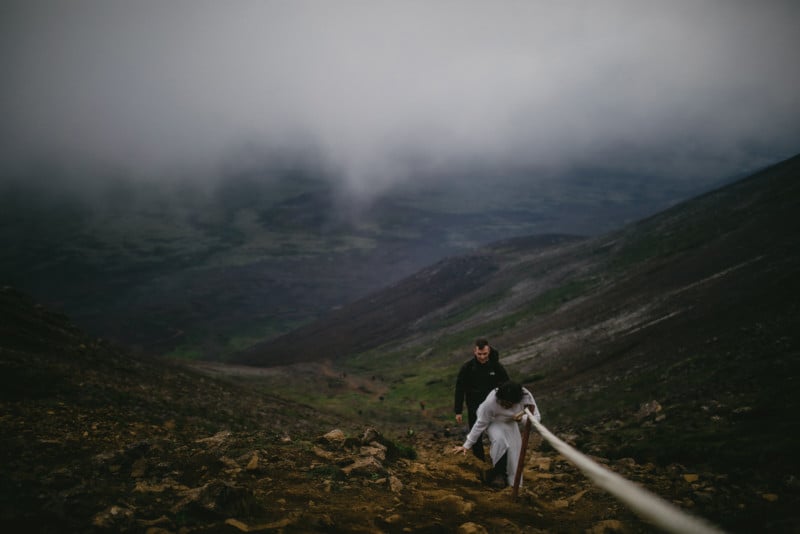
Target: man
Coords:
[[498, 416], [476, 379]]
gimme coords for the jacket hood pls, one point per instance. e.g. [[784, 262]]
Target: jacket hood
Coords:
[[494, 356]]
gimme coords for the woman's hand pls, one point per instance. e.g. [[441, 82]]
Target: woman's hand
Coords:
[[521, 415], [460, 449]]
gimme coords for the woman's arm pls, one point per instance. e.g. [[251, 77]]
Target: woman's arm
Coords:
[[530, 403]]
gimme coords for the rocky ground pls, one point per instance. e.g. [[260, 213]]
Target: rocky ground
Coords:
[[95, 440], [73, 467]]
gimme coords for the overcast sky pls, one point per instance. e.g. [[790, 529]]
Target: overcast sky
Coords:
[[387, 91]]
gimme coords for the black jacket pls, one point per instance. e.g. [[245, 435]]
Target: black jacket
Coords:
[[475, 381]]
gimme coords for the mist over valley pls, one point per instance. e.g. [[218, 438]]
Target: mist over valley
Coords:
[[201, 271], [245, 249]]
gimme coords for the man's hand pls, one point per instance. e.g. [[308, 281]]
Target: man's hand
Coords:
[[458, 418], [461, 449]]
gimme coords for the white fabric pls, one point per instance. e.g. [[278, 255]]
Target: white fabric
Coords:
[[502, 429], [660, 512]]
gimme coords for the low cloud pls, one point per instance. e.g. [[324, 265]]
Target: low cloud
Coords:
[[380, 93]]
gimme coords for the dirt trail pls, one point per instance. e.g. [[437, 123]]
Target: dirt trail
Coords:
[[442, 491], [554, 497]]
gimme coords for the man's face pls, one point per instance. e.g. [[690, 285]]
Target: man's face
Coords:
[[482, 354]]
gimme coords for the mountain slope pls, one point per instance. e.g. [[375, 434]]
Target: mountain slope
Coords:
[[95, 440], [673, 340], [750, 221], [383, 316], [672, 360]]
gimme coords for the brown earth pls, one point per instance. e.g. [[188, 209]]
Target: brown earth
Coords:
[[95, 440]]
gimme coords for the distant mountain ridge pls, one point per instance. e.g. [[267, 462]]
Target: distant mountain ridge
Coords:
[[202, 271]]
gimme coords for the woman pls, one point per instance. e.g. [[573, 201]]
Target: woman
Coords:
[[498, 415]]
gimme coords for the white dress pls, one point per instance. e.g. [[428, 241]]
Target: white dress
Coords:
[[502, 429]]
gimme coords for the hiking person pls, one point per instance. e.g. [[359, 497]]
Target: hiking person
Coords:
[[476, 378], [498, 415]]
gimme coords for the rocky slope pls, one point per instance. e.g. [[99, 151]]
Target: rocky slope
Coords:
[[95, 440], [693, 310]]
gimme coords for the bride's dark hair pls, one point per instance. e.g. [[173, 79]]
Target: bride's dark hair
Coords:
[[510, 391]]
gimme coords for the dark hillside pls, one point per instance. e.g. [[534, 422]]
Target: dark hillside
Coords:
[[753, 220], [389, 314], [668, 351], [699, 312], [671, 341], [94, 440]]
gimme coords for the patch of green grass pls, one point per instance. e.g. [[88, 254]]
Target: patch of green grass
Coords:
[[545, 303], [185, 352], [410, 392], [552, 299], [390, 396], [652, 242], [471, 310], [249, 335]]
